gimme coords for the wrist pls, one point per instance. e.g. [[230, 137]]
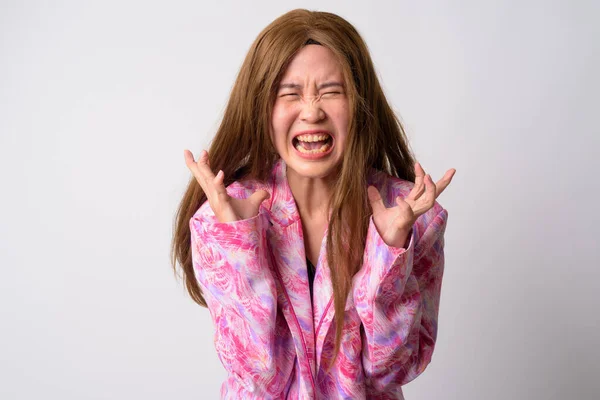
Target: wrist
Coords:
[[404, 238]]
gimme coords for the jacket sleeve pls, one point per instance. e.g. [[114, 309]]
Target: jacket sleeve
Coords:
[[397, 299], [232, 268]]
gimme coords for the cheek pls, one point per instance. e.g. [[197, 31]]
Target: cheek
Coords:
[[341, 118], [283, 113], [276, 119], [279, 125]]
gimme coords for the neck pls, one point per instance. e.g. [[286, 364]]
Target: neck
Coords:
[[312, 195]]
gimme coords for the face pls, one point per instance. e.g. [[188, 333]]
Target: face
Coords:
[[309, 124]]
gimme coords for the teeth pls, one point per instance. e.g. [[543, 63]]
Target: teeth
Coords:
[[323, 149], [312, 138]]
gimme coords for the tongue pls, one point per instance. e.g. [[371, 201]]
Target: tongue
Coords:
[[312, 145]]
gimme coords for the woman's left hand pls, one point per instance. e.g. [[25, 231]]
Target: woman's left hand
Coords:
[[394, 224]]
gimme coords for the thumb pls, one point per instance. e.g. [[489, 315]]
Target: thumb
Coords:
[[258, 197], [375, 200]]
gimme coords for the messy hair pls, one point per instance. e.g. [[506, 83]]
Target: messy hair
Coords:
[[243, 149]]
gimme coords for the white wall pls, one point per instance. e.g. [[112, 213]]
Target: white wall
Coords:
[[99, 99]]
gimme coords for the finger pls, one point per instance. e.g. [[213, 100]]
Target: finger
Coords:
[[443, 183], [219, 178], [212, 187], [189, 159], [428, 199], [419, 173], [419, 188], [402, 203], [430, 189], [375, 200], [218, 186], [193, 167], [204, 167], [258, 197]]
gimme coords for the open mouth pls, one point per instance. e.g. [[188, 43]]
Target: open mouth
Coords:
[[314, 143]]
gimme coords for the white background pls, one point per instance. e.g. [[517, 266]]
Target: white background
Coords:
[[99, 99]]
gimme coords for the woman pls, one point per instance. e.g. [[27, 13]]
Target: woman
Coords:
[[316, 247]]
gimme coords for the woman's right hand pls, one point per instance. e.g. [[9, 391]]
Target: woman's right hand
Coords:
[[225, 207]]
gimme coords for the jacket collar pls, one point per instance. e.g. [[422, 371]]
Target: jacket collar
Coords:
[[282, 207]]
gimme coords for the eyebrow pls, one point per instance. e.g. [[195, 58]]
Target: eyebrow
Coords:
[[298, 86]]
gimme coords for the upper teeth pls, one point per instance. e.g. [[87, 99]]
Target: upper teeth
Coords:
[[312, 138]]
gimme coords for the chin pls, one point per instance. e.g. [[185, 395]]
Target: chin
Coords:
[[313, 170]]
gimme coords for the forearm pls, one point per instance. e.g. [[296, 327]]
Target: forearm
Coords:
[[398, 302]]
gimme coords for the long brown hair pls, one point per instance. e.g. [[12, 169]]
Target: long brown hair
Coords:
[[242, 147]]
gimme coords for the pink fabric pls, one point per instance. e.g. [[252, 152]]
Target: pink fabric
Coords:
[[274, 344]]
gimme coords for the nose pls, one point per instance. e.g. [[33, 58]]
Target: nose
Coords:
[[311, 111]]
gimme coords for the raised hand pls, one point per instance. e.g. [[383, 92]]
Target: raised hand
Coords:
[[225, 207], [394, 224]]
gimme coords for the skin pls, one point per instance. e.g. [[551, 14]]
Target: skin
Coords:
[[394, 224], [312, 96]]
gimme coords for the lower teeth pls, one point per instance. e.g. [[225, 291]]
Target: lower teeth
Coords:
[[322, 149]]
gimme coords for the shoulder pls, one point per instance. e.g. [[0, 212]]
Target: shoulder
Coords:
[[391, 187]]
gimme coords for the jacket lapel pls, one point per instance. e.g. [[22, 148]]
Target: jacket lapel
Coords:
[[309, 324], [322, 301], [286, 243]]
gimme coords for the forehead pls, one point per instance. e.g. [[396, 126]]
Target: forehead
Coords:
[[313, 62]]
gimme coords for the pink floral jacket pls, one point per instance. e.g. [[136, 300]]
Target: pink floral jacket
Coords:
[[274, 343]]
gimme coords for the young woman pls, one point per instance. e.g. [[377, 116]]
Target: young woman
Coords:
[[316, 247]]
